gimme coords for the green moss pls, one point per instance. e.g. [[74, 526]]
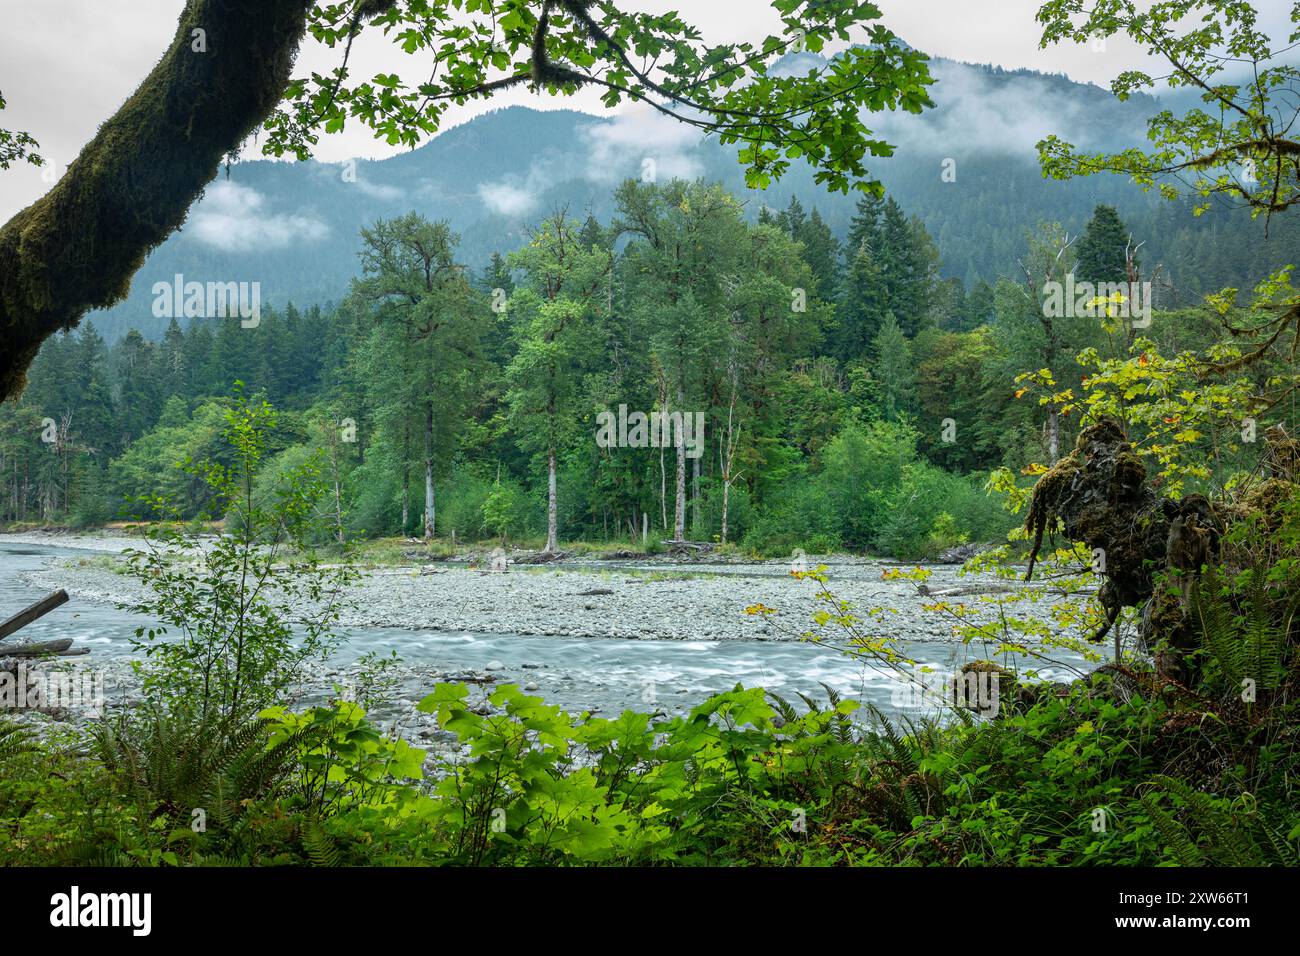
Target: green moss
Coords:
[[78, 247]]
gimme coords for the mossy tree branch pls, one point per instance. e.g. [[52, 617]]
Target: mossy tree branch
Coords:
[[77, 247]]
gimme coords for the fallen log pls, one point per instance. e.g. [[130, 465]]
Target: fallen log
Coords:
[[541, 557], [40, 648], [42, 607], [685, 545], [964, 591], [688, 549]]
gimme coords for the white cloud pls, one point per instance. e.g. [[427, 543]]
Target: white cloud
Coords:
[[350, 172], [618, 149], [505, 199], [378, 190], [635, 141], [375, 190], [233, 218], [977, 113]]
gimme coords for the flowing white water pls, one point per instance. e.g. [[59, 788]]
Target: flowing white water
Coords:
[[609, 674]]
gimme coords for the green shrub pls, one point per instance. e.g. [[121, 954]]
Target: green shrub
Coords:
[[226, 643], [861, 468], [505, 511], [931, 510]]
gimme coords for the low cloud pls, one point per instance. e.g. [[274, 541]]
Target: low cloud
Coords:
[[234, 218], [506, 199], [636, 143], [620, 148], [351, 173], [379, 190], [979, 113]]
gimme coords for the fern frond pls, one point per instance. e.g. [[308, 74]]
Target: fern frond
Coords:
[[15, 740], [1220, 631], [783, 707], [1175, 836], [321, 848], [1284, 853]]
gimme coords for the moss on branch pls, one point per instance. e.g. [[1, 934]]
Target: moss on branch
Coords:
[[77, 248]]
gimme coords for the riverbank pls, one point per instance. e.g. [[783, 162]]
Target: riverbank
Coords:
[[585, 634], [646, 598]]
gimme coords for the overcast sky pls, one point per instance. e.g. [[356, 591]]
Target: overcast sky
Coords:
[[66, 65]]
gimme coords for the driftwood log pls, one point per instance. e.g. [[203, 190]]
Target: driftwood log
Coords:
[[541, 557], [60, 647], [24, 617], [684, 548]]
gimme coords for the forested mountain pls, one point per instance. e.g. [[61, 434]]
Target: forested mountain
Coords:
[[967, 168]]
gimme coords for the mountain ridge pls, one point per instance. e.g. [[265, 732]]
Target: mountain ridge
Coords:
[[293, 227]]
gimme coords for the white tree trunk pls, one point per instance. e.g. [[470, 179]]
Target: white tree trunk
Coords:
[[338, 497], [726, 495], [679, 517], [406, 480], [663, 488], [695, 495], [430, 506], [679, 513], [430, 512], [551, 508], [727, 456]]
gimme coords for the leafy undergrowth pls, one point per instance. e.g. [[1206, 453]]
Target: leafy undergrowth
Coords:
[[1098, 774], [1129, 766]]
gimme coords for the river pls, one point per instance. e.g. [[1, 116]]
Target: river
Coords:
[[607, 674]]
